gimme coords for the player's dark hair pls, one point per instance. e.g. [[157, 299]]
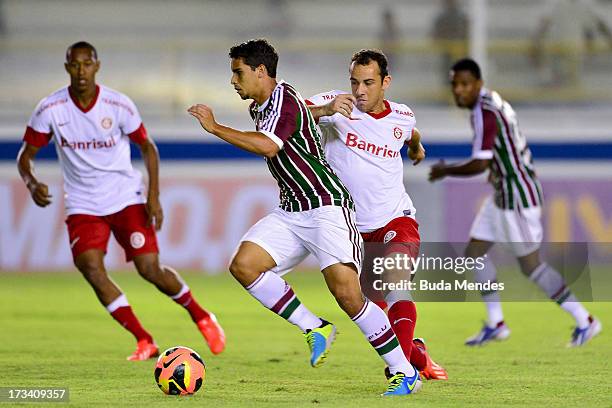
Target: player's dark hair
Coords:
[[364, 57], [82, 44], [467, 64], [255, 53]]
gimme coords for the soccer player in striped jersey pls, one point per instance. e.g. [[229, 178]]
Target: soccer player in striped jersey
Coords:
[[363, 147], [513, 214], [92, 127], [316, 215]]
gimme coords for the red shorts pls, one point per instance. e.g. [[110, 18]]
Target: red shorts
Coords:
[[401, 234], [128, 226]]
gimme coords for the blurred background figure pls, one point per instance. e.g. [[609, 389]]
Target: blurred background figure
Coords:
[[280, 23], [450, 32], [390, 37], [566, 33]]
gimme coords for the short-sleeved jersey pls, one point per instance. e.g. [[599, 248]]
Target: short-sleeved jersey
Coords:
[[305, 179], [365, 152], [497, 137], [93, 146]]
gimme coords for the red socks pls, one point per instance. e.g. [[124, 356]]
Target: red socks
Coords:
[[382, 304], [403, 316], [126, 317], [418, 357], [194, 309]]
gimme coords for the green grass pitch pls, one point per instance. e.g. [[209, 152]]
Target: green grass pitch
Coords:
[[54, 333]]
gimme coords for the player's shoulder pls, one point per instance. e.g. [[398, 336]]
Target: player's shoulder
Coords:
[[113, 94], [324, 97], [57, 98], [491, 100], [116, 99], [401, 111]]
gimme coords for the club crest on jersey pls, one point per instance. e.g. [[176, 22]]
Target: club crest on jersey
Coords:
[[398, 133], [389, 236], [137, 240], [106, 123]]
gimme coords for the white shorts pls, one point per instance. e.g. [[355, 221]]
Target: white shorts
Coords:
[[328, 232], [520, 229]]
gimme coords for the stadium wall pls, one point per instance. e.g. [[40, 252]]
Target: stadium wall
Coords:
[[209, 204]]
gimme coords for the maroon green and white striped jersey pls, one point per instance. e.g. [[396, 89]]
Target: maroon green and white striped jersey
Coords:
[[497, 137], [305, 179]]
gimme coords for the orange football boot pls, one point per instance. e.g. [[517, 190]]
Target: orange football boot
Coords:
[[433, 370], [144, 351], [213, 333]]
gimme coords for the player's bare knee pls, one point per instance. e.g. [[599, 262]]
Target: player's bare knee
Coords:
[[150, 272], [529, 263], [92, 272], [241, 269]]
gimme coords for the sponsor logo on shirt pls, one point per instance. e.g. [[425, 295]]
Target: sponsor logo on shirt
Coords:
[[119, 104], [355, 142], [50, 105], [399, 112], [91, 144]]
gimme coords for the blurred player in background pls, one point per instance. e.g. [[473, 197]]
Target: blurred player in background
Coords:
[[363, 147], [316, 215], [513, 214], [92, 126]]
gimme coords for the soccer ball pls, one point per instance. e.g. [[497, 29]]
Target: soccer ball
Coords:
[[179, 371]]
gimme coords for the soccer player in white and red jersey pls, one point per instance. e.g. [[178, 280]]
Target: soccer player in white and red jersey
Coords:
[[511, 216], [92, 127], [363, 147]]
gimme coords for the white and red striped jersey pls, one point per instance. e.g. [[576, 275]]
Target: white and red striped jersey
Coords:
[[365, 153], [93, 146]]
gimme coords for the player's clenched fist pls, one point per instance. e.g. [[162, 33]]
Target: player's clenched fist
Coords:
[[205, 115], [40, 194], [416, 154], [342, 104]]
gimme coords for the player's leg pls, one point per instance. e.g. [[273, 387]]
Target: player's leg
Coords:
[[268, 250], [169, 282], [90, 264], [552, 283], [401, 238], [255, 269], [494, 328], [330, 234], [402, 313], [343, 282], [483, 234], [140, 244], [525, 232], [89, 237]]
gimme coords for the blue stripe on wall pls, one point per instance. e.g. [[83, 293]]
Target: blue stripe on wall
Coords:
[[223, 151]]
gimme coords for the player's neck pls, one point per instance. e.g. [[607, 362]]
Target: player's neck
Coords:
[[380, 107], [266, 91], [84, 97]]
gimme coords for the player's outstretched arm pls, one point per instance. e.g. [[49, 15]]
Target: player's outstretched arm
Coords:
[[342, 104], [416, 151], [475, 166], [153, 206], [25, 164], [254, 142]]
